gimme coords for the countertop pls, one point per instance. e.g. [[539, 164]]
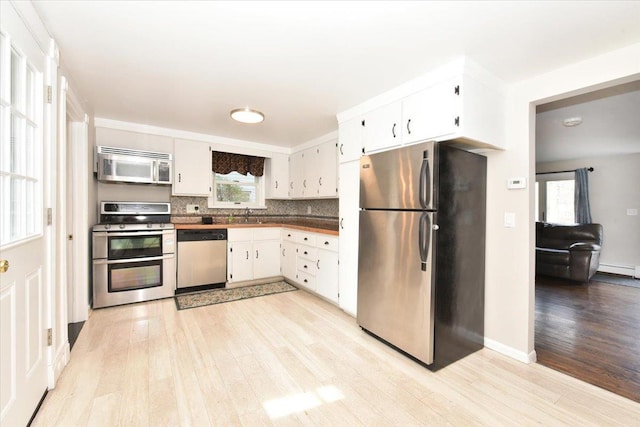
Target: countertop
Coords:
[[304, 225]]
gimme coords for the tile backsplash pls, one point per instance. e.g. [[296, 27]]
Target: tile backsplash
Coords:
[[321, 208]]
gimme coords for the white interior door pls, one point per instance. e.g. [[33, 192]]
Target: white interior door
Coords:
[[23, 296]]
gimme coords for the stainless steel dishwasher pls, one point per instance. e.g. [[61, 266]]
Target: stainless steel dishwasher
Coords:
[[202, 259]]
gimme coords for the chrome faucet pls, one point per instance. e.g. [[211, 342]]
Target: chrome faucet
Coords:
[[247, 211]]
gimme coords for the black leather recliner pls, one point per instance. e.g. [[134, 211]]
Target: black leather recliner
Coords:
[[568, 251]]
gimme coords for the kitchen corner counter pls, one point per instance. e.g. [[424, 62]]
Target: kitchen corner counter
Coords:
[[312, 225]]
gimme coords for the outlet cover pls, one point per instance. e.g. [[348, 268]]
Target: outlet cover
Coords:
[[193, 208]]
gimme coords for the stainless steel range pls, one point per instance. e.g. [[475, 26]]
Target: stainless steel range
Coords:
[[133, 253]]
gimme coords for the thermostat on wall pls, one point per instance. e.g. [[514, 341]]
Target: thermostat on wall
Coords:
[[516, 183]]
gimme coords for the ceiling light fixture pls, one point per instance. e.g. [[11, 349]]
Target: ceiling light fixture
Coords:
[[247, 115], [572, 121]]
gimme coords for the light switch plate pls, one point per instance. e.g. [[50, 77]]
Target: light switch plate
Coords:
[[193, 208], [632, 212], [509, 219]]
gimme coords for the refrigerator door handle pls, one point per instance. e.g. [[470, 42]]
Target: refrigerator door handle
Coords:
[[424, 239], [425, 181]]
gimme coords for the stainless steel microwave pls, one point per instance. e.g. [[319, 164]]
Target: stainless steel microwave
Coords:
[[133, 166]]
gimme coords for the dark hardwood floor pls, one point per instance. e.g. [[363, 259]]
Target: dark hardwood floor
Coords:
[[591, 332]]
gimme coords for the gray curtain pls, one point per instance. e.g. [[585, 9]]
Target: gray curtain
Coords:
[[581, 198]]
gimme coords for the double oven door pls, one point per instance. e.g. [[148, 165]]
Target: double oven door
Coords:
[[133, 266]]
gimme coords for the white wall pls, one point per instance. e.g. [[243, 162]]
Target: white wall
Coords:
[[509, 311], [614, 187]]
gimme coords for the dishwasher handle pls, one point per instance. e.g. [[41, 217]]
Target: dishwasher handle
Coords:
[[196, 235]]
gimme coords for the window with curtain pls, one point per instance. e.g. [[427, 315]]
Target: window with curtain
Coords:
[[557, 200], [237, 180]]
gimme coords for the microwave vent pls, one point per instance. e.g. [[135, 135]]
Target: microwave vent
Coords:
[[138, 153]]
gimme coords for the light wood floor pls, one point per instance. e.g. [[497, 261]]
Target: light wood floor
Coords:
[[293, 359]]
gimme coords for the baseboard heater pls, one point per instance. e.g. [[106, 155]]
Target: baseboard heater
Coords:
[[623, 270]]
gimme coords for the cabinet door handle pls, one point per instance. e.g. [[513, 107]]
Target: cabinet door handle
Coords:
[[341, 152], [306, 253], [408, 128], [289, 235], [306, 281], [318, 264], [305, 266], [305, 239], [291, 185], [326, 243], [256, 254], [276, 184], [320, 181], [247, 254], [283, 251], [304, 183], [341, 225], [179, 177], [393, 130]]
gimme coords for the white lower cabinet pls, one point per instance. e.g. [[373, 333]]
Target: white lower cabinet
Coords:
[[311, 261], [288, 259], [240, 262], [253, 253], [266, 262], [327, 274]]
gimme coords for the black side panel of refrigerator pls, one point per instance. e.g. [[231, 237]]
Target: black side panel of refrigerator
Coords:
[[460, 257]]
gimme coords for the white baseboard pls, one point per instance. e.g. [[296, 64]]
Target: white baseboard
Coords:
[[510, 351], [60, 360], [623, 270]]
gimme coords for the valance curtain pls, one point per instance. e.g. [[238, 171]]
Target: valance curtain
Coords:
[[224, 163], [581, 197]]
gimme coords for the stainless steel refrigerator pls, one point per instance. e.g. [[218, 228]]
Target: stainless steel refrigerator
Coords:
[[422, 251]]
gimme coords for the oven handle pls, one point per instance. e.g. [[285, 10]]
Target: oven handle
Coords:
[[128, 233], [132, 260]]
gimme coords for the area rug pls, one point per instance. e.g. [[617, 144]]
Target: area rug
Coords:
[[217, 296], [616, 280]]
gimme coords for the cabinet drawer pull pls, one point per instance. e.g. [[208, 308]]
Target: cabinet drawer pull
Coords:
[[305, 266], [393, 130], [408, 128], [306, 281], [305, 239], [326, 243]]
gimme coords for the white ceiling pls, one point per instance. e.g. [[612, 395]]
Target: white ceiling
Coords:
[[185, 65], [610, 125]]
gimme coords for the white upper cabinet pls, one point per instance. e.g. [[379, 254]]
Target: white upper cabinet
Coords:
[[350, 135], [459, 102], [277, 172], [191, 168], [313, 172], [431, 113], [296, 175], [382, 127], [326, 172]]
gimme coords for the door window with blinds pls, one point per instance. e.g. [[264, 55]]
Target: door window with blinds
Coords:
[[21, 99]]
